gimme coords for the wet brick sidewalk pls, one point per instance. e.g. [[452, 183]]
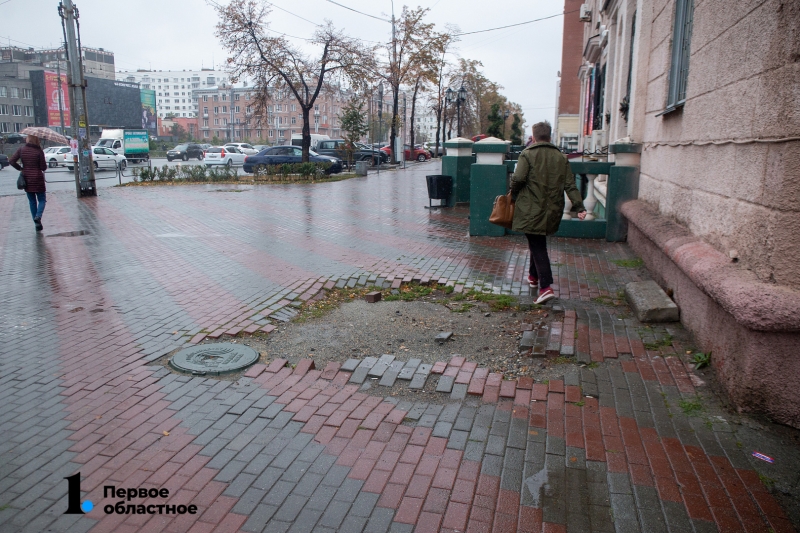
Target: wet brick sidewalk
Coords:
[[608, 448]]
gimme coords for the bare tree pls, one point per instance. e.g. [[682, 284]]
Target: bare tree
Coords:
[[410, 45], [446, 41], [276, 64]]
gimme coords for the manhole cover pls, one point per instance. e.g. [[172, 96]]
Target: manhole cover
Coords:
[[214, 359]]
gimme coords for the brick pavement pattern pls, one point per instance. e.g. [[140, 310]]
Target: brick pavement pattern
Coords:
[[607, 448]]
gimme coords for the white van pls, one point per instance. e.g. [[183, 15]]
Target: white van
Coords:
[[297, 139]]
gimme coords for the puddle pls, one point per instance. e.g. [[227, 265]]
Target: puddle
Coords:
[[70, 233]]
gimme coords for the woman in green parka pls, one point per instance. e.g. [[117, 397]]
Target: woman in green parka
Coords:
[[540, 180]]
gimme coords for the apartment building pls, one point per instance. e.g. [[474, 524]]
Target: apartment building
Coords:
[[174, 88], [229, 112], [97, 62], [16, 97]]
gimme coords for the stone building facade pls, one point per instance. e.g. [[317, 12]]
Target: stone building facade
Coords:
[[709, 89]]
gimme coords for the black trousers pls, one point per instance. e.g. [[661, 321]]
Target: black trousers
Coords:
[[540, 261]]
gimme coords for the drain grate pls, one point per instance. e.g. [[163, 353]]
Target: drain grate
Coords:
[[70, 233]]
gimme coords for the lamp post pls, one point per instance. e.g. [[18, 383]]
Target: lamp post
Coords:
[[402, 144], [380, 117], [449, 96], [505, 119], [462, 97]]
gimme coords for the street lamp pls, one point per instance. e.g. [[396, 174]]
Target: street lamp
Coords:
[[462, 97], [380, 118], [449, 96], [505, 119]]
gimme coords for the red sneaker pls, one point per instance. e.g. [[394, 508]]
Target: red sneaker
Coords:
[[533, 282], [544, 295]]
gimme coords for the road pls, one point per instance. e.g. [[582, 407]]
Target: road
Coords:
[[61, 179]]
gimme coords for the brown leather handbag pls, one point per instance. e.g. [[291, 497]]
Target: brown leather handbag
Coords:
[[503, 211]]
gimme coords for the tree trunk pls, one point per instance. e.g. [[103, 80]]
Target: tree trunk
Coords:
[[306, 132], [395, 118], [413, 109]]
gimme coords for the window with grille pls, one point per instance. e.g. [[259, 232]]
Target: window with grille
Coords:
[[679, 65]]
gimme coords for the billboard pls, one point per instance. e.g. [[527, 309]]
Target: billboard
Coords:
[[53, 95], [149, 122]]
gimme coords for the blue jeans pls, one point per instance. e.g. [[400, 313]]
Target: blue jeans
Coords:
[[33, 197]]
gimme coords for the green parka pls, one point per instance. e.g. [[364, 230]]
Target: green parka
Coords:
[[541, 178]]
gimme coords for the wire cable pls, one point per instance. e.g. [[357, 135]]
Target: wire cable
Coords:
[[512, 25], [360, 12]]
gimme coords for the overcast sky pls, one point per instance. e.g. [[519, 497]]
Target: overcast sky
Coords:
[[179, 34]]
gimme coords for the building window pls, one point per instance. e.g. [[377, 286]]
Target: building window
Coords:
[[679, 65], [28, 110], [205, 111], [294, 120], [224, 97], [18, 127], [205, 98], [237, 97], [216, 110], [4, 127], [16, 110], [205, 135], [27, 94], [3, 92], [205, 122], [271, 133], [216, 98], [216, 122], [3, 109], [14, 92], [237, 109], [294, 107], [224, 109]]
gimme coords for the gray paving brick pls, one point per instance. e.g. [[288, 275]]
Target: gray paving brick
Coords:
[[334, 514], [364, 504], [380, 521], [354, 523], [291, 508], [306, 521], [248, 502], [445, 384], [390, 376], [459, 391], [335, 476], [623, 507], [408, 370], [381, 366], [556, 445], [442, 429]]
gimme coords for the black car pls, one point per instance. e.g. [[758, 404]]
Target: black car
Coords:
[[186, 152], [338, 148], [15, 138], [3, 161], [278, 155]]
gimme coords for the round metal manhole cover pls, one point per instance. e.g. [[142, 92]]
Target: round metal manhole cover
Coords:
[[214, 359]]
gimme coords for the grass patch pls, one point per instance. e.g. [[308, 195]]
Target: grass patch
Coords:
[[409, 292], [628, 263], [608, 300], [561, 360], [691, 407], [463, 308], [701, 359], [767, 481], [663, 342], [448, 289], [311, 310], [496, 302], [593, 365], [580, 403]]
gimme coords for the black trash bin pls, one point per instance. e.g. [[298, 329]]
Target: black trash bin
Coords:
[[439, 188]]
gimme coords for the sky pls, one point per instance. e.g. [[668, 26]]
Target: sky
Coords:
[[179, 34]]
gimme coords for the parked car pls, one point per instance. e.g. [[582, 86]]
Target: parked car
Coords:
[[278, 155], [259, 147], [338, 148], [186, 152], [418, 155], [54, 155], [101, 158], [206, 146], [245, 148], [3, 161], [431, 147], [223, 155], [15, 138]]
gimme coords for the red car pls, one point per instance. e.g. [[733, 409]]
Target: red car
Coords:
[[420, 154]]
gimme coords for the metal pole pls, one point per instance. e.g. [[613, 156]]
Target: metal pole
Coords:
[[84, 171], [60, 95], [458, 107]]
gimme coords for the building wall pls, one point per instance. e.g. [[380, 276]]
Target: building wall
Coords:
[[283, 117], [571, 59], [743, 85], [174, 88], [17, 110]]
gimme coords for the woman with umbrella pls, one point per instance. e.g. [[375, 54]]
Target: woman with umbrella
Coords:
[[33, 166]]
